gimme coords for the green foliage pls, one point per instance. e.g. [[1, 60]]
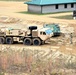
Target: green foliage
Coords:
[[25, 12], [65, 17], [40, 14], [32, 13]]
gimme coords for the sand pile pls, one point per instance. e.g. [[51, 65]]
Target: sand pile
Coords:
[[7, 19]]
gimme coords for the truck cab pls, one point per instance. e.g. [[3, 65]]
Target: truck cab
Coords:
[[45, 33]]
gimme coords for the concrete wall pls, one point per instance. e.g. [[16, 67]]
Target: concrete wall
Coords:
[[34, 8], [51, 8]]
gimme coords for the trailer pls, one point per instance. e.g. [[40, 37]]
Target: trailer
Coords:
[[32, 36]]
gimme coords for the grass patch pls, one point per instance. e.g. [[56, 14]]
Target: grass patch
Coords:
[[68, 17], [32, 13], [25, 12]]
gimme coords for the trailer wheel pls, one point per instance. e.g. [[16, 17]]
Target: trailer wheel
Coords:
[[9, 40], [36, 41], [2, 40], [27, 41]]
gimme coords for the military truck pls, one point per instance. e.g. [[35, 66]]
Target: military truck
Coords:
[[54, 27], [31, 36]]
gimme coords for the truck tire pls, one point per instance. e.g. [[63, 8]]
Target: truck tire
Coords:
[[36, 41], [27, 41], [2, 40], [9, 40]]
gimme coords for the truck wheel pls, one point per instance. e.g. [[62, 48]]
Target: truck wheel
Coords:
[[2, 40], [27, 41], [36, 41], [9, 40]]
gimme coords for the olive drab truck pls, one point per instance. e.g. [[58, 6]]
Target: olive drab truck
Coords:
[[32, 36]]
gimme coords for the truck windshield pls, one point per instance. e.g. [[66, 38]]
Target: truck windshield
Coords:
[[48, 31]]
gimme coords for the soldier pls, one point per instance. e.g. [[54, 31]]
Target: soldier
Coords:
[[71, 36], [74, 14]]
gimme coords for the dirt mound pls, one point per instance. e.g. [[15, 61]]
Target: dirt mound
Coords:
[[7, 19]]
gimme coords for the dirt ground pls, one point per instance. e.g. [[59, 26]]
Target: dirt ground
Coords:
[[12, 8], [9, 8]]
